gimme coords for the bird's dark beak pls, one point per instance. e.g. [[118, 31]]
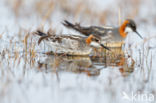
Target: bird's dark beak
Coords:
[[138, 34], [105, 47]]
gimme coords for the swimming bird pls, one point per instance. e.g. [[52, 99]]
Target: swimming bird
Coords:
[[70, 44], [110, 36]]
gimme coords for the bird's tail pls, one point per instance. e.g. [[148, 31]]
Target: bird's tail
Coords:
[[68, 24], [40, 33], [76, 27], [72, 26]]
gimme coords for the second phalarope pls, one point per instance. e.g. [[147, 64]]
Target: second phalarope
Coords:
[[70, 44], [107, 34]]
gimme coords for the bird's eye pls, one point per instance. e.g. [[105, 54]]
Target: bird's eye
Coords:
[[128, 25]]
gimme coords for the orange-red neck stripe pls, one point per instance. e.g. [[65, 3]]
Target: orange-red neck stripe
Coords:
[[122, 29], [89, 39]]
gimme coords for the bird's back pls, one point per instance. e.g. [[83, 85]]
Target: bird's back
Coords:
[[67, 44]]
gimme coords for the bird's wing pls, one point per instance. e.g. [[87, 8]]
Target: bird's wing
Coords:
[[94, 30], [65, 41]]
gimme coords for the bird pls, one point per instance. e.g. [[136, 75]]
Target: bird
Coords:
[[70, 44], [109, 35]]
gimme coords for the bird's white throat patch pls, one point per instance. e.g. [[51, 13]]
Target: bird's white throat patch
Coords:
[[95, 44], [128, 29]]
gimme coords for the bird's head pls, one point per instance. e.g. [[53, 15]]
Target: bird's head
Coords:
[[95, 42], [128, 26]]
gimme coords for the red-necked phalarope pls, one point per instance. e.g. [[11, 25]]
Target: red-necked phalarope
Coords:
[[70, 44], [108, 35]]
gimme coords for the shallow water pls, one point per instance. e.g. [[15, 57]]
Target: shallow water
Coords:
[[28, 74]]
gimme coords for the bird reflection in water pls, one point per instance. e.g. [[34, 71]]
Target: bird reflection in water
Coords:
[[89, 65]]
